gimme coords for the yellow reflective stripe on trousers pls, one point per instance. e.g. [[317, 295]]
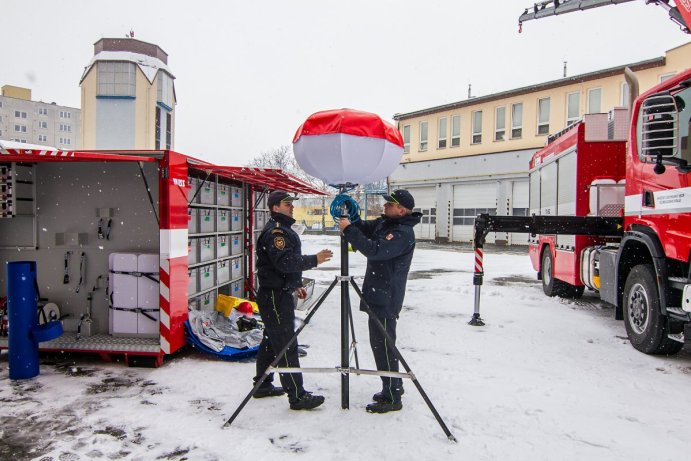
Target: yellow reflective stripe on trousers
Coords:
[[285, 354]]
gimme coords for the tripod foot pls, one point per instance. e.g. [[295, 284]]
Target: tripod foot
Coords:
[[452, 439], [476, 321]]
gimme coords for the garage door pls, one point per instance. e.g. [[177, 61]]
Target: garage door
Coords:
[[425, 203], [469, 200], [520, 201]]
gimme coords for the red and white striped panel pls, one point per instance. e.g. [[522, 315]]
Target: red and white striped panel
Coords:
[[173, 257], [478, 260], [41, 153]]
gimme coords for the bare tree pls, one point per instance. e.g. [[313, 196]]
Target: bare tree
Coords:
[[283, 158]]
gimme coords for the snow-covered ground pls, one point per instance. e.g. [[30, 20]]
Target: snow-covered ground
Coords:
[[544, 380]]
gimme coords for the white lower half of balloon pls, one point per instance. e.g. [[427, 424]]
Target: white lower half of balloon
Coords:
[[341, 158]]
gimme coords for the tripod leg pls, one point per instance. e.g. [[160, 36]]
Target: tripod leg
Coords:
[[379, 325], [345, 313], [352, 332], [279, 355]]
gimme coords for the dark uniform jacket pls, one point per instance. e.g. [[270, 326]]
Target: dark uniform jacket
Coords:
[[388, 245], [279, 255]]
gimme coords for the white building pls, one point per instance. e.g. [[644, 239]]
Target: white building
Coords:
[[35, 122]]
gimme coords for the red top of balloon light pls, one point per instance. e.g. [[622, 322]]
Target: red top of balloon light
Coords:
[[349, 121]]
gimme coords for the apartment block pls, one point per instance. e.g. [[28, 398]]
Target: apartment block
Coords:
[[35, 122]]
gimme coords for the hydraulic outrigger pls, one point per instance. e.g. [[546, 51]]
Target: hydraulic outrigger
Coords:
[[564, 225]]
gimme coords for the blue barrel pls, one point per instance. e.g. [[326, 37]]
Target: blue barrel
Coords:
[[23, 317]]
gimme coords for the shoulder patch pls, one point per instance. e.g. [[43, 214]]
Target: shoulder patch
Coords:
[[279, 243], [389, 237]]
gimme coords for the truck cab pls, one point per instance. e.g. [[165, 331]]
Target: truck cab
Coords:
[[652, 265]]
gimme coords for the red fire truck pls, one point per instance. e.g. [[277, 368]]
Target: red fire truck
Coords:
[[615, 216]]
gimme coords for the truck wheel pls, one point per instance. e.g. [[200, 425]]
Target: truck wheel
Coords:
[[550, 285], [554, 287], [646, 327]]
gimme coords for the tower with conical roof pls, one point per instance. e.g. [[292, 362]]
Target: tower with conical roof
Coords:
[[128, 97]]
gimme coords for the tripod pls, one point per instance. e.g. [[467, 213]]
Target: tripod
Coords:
[[345, 369]]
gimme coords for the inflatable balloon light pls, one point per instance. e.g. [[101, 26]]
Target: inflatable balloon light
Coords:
[[347, 146]]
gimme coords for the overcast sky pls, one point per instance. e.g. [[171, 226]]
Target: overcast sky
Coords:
[[248, 73]]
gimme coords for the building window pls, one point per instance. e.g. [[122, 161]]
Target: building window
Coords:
[[65, 114], [406, 139], [42, 138], [477, 127], [169, 130], [429, 215], [543, 116], [157, 142], [20, 128], [66, 128], [466, 216], [18, 140], [442, 133], [423, 136], [165, 89], [116, 79], [517, 120], [65, 141], [625, 94], [19, 114], [42, 111], [455, 131], [666, 76], [573, 101], [595, 100], [499, 123], [43, 124]]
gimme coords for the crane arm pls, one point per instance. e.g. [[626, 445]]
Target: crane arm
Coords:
[[680, 14]]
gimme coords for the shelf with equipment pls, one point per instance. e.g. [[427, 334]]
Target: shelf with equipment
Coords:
[[248, 215], [18, 204], [214, 242], [260, 216]]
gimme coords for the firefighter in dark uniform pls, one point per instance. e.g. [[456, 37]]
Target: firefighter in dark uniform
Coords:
[[280, 263], [388, 243]]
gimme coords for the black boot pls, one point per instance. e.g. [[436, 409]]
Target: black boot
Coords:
[[385, 395], [306, 401], [268, 391], [384, 407]]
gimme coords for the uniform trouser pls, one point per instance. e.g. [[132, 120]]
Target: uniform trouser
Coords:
[[277, 309], [384, 355]]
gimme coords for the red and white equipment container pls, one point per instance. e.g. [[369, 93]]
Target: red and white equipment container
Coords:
[[133, 214]]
